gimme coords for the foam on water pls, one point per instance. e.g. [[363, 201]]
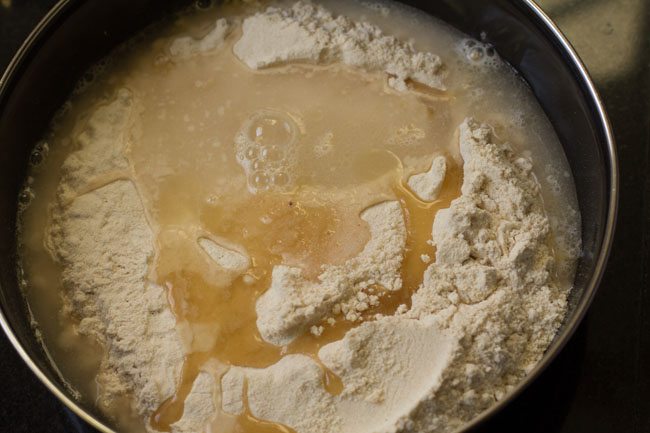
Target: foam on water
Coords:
[[266, 149]]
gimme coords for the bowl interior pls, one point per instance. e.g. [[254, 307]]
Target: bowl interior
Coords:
[[77, 33]]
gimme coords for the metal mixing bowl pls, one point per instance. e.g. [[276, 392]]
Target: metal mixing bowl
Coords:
[[77, 33]]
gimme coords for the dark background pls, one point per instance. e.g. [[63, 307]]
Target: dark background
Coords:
[[600, 383]]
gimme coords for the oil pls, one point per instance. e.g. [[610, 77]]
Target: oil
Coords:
[[419, 222]]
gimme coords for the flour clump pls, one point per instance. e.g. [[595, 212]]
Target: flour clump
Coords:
[[492, 280], [292, 303], [103, 241], [310, 33], [427, 185]]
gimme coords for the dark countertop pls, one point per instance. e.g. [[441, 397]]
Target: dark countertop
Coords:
[[600, 383]]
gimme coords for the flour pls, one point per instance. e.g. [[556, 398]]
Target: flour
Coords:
[[427, 185], [103, 240], [491, 281], [293, 303], [102, 145], [186, 46], [226, 258], [310, 33], [487, 308], [387, 366], [199, 405], [105, 231]]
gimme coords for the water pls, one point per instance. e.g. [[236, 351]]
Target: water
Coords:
[[280, 162]]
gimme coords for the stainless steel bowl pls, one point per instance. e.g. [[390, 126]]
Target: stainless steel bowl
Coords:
[[77, 33]]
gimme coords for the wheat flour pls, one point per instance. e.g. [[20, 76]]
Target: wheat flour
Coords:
[[491, 281], [310, 33], [487, 306], [229, 259], [387, 366], [485, 313], [427, 185], [104, 242], [293, 303]]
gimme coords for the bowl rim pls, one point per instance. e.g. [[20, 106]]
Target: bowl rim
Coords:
[[593, 98]]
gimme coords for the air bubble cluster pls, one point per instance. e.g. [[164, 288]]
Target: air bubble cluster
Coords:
[[265, 147], [90, 76], [25, 197], [478, 53], [39, 153]]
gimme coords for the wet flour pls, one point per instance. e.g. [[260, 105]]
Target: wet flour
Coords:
[[485, 312]]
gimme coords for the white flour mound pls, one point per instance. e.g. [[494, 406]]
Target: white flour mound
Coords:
[[491, 281], [102, 145], [310, 33], [293, 303], [426, 186], [199, 406], [387, 366], [103, 241], [484, 315]]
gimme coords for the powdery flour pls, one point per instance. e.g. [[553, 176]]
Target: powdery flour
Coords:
[[104, 243], [293, 303], [310, 33], [482, 318]]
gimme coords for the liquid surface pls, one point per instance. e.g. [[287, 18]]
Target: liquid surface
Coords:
[[226, 153]]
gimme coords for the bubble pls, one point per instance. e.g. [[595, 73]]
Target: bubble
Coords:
[[476, 93], [25, 197], [251, 153], [271, 128], [475, 54], [272, 153], [258, 165], [39, 153], [280, 179], [479, 53], [265, 145], [36, 157], [259, 180]]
